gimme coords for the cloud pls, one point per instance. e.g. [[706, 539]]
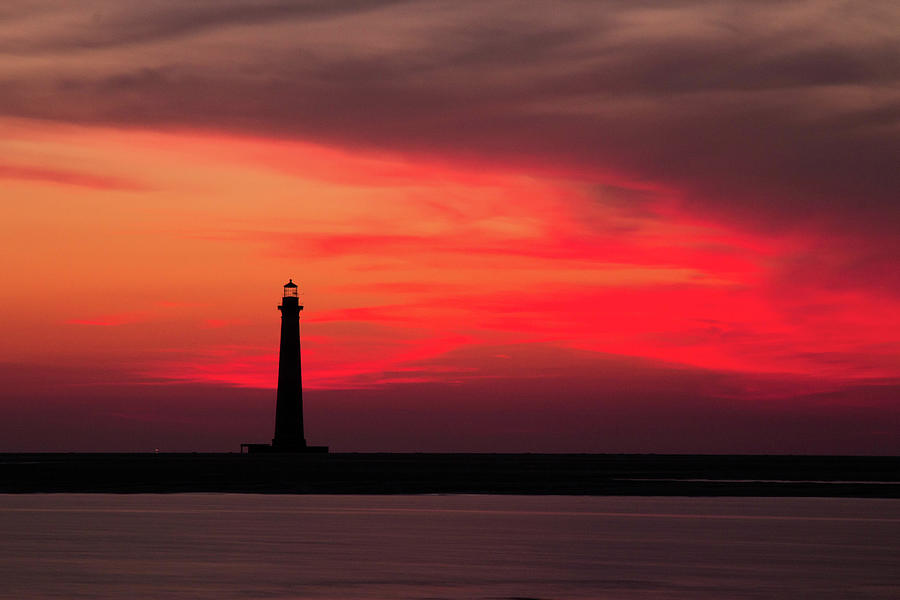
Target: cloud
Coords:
[[108, 24], [67, 177], [772, 116]]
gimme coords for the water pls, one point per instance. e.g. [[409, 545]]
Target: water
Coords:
[[317, 547]]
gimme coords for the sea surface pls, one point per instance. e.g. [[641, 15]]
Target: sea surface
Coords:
[[279, 547]]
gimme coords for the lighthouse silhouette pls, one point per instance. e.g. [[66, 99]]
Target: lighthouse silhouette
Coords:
[[289, 436], [289, 403]]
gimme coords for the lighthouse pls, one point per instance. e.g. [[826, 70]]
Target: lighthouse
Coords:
[[289, 435], [289, 399]]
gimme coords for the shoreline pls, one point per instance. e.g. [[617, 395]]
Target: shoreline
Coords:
[[519, 474]]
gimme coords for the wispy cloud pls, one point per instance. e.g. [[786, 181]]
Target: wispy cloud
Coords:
[[64, 177]]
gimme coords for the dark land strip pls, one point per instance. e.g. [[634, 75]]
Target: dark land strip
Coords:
[[570, 474]]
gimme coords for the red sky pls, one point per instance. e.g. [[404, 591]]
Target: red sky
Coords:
[[550, 226]]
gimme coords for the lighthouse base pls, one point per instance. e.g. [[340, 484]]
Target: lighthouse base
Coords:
[[270, 449]]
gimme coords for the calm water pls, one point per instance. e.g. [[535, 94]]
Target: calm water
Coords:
[[273, 547]]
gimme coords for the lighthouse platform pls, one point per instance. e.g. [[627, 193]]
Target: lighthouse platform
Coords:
[[270, 449]]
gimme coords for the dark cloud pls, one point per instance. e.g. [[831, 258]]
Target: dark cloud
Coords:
[[102, 24], [841, 263], [768, 115]]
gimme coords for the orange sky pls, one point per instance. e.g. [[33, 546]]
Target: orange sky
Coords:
[[147, 253]]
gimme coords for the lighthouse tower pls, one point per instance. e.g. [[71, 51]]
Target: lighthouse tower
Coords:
[[289, 399], [289, 405]]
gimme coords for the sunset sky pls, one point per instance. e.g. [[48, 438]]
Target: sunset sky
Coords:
[[554, 226]]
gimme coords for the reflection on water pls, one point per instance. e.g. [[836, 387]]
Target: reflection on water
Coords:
[[279, 547]]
